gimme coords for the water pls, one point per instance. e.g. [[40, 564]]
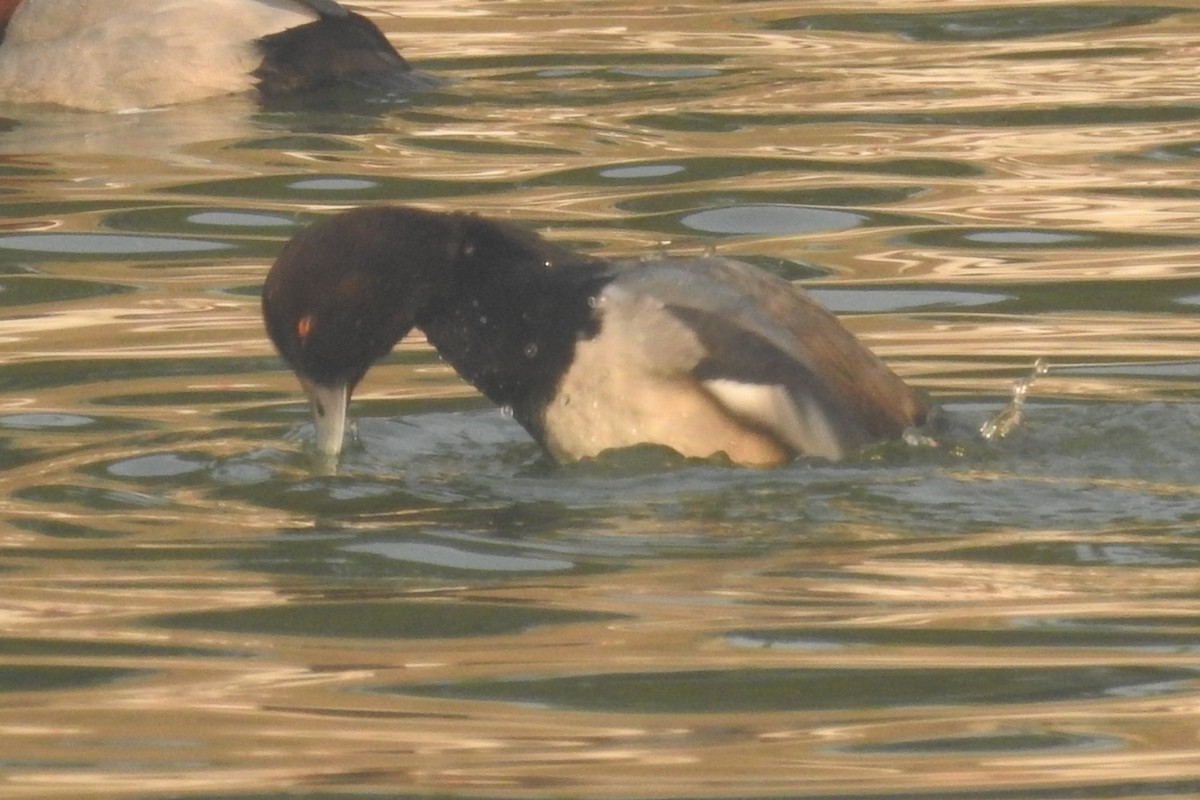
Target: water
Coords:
[[188, 609]]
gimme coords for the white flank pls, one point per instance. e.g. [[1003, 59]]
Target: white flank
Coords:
[[112, 55], [805, 427]]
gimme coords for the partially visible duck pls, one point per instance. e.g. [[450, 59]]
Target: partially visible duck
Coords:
[[702, 355], [109, 55]]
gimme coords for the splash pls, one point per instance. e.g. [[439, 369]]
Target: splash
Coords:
[[1007, 420]]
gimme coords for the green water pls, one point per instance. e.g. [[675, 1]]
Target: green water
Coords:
[[189, 609]]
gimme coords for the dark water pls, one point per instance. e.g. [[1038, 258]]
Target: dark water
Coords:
[[188, 609]]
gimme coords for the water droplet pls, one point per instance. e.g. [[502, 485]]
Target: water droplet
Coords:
[[1011, 416], [915, 438], [506, 411], [531, 350], [483, 320]]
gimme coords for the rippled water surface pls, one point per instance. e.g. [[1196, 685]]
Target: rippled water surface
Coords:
[[188, 609]]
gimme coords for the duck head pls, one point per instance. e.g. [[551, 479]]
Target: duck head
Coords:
[[343, 292]]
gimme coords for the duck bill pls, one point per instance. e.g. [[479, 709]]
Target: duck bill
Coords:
[[329, 405]]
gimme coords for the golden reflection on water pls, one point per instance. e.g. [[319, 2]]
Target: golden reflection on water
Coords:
[[998, 171], [299, 726]]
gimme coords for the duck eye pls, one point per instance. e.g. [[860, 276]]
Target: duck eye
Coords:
[[304, 326]]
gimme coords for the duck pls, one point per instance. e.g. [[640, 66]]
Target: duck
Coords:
[[101, 55], [707, 356]]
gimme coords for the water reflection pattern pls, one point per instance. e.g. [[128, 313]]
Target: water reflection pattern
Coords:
[[186, 610]]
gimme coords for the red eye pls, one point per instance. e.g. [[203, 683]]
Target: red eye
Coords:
[[303, 326]]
